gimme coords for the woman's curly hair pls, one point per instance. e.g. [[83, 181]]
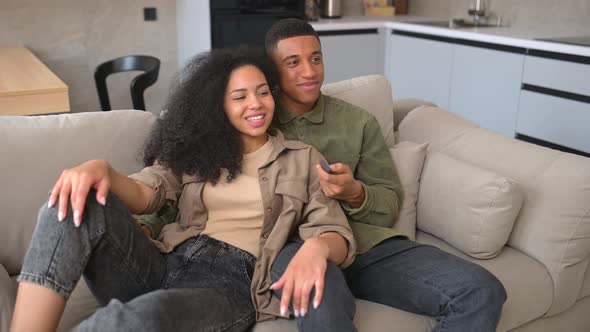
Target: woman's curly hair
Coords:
[[194, 136]]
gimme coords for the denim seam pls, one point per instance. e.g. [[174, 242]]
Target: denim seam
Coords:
[[138, 279], [235, 323], [45, 281], [245, 271], [50, 272]]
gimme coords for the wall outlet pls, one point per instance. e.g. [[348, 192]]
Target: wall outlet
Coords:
[[150, 14]]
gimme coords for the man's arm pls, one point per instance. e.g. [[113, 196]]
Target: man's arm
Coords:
[[373, 194]]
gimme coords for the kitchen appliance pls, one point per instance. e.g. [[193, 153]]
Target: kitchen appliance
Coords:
[[245, 22], [331, 8]]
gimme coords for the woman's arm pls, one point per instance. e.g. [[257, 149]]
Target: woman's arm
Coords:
[[74, 184]]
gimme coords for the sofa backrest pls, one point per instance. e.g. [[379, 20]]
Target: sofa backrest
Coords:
[[372, 93], [553, 225], [36, 149]]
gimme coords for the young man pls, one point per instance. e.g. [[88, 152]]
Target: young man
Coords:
[[389, 269]]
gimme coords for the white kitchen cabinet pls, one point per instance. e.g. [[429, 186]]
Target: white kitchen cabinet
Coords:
[[420, 68], [555, 120], [485, 86], [555, 100], [351, 53]]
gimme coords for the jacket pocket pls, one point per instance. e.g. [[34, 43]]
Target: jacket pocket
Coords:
[[296, 189]]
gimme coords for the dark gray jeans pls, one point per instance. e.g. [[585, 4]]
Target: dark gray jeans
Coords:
[[203, 285], [460, 295]]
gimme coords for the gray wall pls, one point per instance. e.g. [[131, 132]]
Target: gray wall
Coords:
[[72, 37]]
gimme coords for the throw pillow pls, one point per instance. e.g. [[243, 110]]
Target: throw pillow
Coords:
[[409, 159], [470, 208]]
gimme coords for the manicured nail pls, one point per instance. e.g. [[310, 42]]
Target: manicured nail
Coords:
[[283, 311], [296, 312], [315, 304], [77, 218], [102, 200], [49, 203], [60, 216], [303, 312]]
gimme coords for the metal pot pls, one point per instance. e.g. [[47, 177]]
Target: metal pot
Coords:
[[331, 8]]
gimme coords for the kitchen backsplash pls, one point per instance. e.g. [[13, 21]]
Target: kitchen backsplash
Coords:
[[567, 15]]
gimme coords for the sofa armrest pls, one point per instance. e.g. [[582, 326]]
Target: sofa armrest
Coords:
[[402, 107], [553, 225], [7, 298]]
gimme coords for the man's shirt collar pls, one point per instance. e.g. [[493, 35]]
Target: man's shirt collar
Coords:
[[316, 115]]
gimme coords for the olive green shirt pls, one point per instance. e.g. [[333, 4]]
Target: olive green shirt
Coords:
[[348, 134]]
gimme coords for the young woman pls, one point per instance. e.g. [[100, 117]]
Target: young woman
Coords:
[[243, 194]]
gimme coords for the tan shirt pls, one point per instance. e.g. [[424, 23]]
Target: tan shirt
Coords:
[[235, 208], [292, 200]]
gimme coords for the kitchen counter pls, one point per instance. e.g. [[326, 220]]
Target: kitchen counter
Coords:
[[508, 36]]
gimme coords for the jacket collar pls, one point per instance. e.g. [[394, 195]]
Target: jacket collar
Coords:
[[315, 115]]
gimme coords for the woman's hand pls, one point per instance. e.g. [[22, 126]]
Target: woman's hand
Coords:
[[306, 270], [74, 184]]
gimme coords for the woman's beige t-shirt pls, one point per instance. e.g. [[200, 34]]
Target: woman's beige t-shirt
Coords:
[[235, 208]]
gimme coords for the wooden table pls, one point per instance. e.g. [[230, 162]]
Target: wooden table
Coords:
[[27, 86]]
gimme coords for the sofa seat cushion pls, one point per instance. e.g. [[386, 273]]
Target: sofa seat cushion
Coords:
[[369, 317], [528, 284], [80, 306], [471, 208], [7, 298]]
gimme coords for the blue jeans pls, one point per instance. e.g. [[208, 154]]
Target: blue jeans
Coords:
[[204, 284], [460, 295]]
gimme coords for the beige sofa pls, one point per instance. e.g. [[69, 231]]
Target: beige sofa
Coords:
[[544, 264]]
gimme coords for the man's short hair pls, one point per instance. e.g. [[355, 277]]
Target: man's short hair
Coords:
[[287, 28]]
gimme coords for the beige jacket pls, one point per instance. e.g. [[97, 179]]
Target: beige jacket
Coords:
[[292, 199]]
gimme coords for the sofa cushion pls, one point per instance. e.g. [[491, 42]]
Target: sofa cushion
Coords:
[[80, 306], [372, 93], [409, 159], [7, 297], [469, 207], [35, 149], [527, 282], [369, 317], [553, 225]]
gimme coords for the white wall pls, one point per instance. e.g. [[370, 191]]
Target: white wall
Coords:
[[193, 28]]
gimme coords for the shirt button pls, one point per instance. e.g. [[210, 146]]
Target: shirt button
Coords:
[[264, 178], [265, 235], [269, 209]]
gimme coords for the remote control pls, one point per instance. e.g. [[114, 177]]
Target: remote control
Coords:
[[326, 167]]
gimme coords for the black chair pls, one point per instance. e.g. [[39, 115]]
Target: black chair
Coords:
[[148, 64]]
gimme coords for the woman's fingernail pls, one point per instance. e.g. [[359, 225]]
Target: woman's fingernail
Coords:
[[77, 218], [283, 311], [102, 200], [60, 216], [49, 204], [303, 312], [296, 312], [315, 304]]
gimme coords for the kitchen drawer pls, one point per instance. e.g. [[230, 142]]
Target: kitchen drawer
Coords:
[[573, 77], [553, 119]]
